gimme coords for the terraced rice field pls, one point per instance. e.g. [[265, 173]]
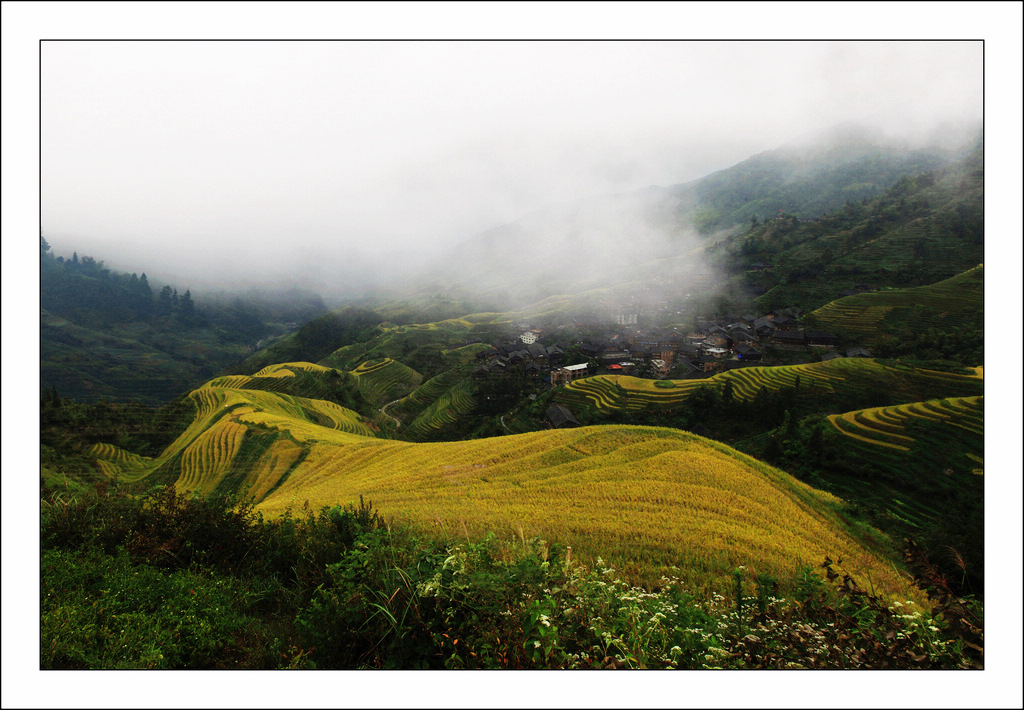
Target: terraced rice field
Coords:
[[416, 345], [437, 403], [114, 461], [842, 374], [445, 409], [933, 448], [644, 498], [641, 496], [386, 379], [298, 378], [888, 426], [954, 303], [429, 392], [243, 440], [897, 247]]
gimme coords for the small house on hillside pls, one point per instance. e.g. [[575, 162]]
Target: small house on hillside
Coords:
[[660, 367], [561, 418], [538, 353], [568, 374], [785, 322], [764, 327], [788, 339], [740, 337], [858, 352], [615, 356], [719, 340], [746, 352]]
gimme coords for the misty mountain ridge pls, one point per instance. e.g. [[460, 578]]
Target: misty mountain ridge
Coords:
[[597, 240]]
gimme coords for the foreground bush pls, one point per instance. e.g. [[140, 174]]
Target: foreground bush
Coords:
[[162, 581]]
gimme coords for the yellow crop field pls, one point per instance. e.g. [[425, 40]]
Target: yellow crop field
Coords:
[[285, 369], [841, 374], [206, 453], [645, 498], [627, 392], [955, 419], [271, 468], [274, 371], [117, 455], [207, 459], [116, 463]]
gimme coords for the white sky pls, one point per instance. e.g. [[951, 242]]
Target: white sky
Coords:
[[182, 155], [268, 153]]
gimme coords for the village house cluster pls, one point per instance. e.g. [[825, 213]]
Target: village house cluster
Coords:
[[717, 344]]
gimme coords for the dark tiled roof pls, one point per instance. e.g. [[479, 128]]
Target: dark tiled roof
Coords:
[[561, 417]]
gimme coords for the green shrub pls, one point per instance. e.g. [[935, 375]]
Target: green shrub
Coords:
[[144, 583], [103, 611]]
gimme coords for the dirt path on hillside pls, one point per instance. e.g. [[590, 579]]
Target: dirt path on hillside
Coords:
[[381, 410]]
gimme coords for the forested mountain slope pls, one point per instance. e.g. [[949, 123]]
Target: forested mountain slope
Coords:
[[925, 228], [110, 335]]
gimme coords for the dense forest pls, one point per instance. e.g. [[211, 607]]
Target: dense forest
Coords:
[[111, 335]]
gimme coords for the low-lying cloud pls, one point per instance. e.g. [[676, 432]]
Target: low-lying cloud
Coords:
[[348, 163]]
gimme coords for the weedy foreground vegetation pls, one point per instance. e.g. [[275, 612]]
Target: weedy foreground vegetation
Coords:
[[168, 581]]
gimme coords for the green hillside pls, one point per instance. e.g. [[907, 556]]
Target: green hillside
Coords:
[[382, 380], [923, 229], [130, 362], [915, 469], [806, 180], [314, 340], [940, 320], [109, 335]]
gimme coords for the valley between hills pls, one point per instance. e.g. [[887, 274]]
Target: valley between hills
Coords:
[[756, 453]]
